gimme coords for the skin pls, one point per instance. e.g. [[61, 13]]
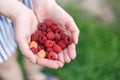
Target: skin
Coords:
[[26, 24]]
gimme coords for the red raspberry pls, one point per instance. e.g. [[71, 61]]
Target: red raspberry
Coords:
[[58, 31], [48, 30], [67, 40], [42, 26], [57, 48], [34, 37], [34, 50], [40, 48], [57, 37], [44, 33], [52, 55], [39, 32], [49, 49], [62, 44], [54, 27], [62, 36], [50, 35], [48, 22], [48, 43], [42, 38], [46, 56]]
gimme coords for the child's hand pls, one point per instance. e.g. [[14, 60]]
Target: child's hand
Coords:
[[48, 9]]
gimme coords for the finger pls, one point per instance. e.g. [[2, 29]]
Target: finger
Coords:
[[66, 57], [23, 45], [74, 30], [48, 63], [60, 64], [72, 51], [61, 57]]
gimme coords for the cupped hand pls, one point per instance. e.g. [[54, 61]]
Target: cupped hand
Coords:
[[50, 10], [25, 26]]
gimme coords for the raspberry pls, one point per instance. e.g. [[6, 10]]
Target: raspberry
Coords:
[[57, 37], [58, 31], [39, 32], [48, 30], [40, 48], [67, 40], [34, 50], [41, 54], [33, 44], [48, 22], [50, 35], [49, 49], [46, 56], [42, 38], [42, 26], [57, 48], [52, 55], [62, 36], [48, 43], [62, 44], [54, 27], [34, 37], [44, 33]]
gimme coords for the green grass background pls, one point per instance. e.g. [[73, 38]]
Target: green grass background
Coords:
[[98, 50]]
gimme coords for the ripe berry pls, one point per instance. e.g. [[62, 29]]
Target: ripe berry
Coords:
[[50, 35], [40, 48], [41, 54], [44, 33], [49, 49], [54, 27], [57, 48], [48, 30], [58, 31], [67, 40], [34, 50], [62, 44], [52, 55], [34, 37], [48, 43], [62, 35], [48, 22], [42, 38], [33, 44], [38, 32], [57, 37], [42, 26]]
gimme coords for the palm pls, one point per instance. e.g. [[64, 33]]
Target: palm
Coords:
[[65, 22]]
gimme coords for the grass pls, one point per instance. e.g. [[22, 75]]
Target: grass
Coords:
[[98, 51]]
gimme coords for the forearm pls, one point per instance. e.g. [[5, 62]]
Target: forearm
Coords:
[[12, 9]]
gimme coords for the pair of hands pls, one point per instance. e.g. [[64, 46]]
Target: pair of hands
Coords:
[[27, 24]]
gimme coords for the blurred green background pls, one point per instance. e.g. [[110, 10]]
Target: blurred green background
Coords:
[[98, 50]]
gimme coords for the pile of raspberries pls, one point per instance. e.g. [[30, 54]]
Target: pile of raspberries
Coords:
[[49, 40]]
